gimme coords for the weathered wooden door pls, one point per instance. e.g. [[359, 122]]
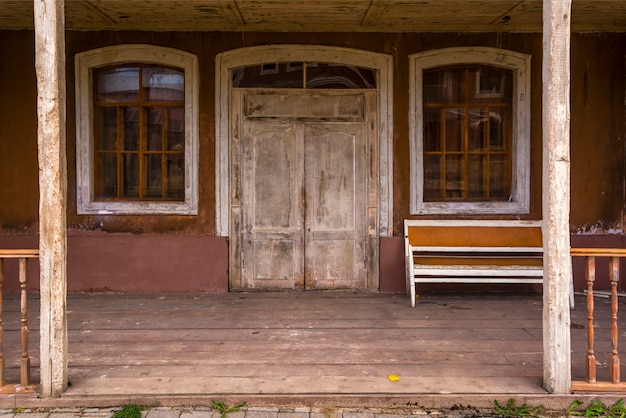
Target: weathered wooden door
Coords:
[[304, 194]]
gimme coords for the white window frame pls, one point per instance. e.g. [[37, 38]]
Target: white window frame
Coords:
[[519, 201], [88, 61]]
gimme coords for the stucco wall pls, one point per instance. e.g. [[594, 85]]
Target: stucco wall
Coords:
[[597, 145]]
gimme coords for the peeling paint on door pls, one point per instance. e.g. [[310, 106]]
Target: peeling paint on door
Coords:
[[303, 170]]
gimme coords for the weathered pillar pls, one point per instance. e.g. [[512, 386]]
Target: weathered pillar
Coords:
[[50, 69], [556, 195]]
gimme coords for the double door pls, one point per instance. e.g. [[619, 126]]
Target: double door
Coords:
[[303, 199]]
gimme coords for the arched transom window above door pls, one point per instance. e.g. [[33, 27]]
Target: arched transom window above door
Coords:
[[317, 67], [470, 132], [304, 75]]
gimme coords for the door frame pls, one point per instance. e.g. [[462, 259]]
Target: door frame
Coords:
[[256, 55]]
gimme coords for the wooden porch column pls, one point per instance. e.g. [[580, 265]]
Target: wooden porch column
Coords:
[[50, 69], [556, 195]]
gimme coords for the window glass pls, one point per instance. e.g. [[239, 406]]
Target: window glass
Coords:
[[106, 168], [175, 128], [297, 75], [119, 84], [270, 75], [139, 131], [467, 153], [163, 85], [336, 76], [106, 128], [447, 86]]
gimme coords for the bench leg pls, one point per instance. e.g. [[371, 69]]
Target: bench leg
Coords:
[[412, 293]]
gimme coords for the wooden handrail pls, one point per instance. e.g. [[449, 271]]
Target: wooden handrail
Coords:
[[598, 252], [590, 383], [19, 253], [22, 256]]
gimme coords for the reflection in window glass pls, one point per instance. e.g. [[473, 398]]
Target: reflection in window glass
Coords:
[[163, 84], [432, 177], [444, 86], [335, 76], [270, 75], [454, 128], [106, 128], [154, 128], [175, 128], [432, 129], [292, 75], [106, 169], [119, 84], [474, 140], [139, 133]]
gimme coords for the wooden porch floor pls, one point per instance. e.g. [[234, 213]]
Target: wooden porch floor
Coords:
[[304, 344]]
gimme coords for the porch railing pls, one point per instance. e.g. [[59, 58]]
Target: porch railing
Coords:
[[22, 257], [591, 383]]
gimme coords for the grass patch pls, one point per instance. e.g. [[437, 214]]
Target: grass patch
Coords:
[[224, 409], [128, 411], [512, 410], [598, 409]]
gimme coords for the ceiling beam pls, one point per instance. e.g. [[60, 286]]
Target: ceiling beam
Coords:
[[105, 17], [232, 12], [510, 13], [373, 13]]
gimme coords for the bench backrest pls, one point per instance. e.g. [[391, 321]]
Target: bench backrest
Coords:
[[479, 239]]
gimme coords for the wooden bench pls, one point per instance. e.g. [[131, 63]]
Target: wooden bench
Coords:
[[472, 251]]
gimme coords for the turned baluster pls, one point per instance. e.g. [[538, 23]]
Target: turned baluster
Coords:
[[614, 278], [25, 361], [590, 276]]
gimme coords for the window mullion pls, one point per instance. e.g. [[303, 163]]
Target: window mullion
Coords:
[[119, 154], [443, 170], [141, 151], [465, 151], [164, 152], [487, 176], [141, 146], [465, 137]]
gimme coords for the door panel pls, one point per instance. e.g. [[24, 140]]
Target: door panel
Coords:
[[335, 203], [272, 210], [299, 202]]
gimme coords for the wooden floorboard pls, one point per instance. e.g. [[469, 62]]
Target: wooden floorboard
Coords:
[[296, 343]]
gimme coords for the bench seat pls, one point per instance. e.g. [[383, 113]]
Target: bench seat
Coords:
[[472, 251]]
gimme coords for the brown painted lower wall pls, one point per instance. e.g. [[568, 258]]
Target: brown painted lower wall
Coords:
[[174, 263], [136, 263], [391, 275]]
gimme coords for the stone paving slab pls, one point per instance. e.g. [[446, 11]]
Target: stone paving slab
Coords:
[[200, 414], [167, 412], [261, 412]]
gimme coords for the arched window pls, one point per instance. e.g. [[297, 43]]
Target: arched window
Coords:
[[470, 136], [137, 131]]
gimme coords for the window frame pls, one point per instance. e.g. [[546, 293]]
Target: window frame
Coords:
[[88, 61], [519, 201]]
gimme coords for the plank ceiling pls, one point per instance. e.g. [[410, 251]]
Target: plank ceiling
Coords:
[[319, 15]]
